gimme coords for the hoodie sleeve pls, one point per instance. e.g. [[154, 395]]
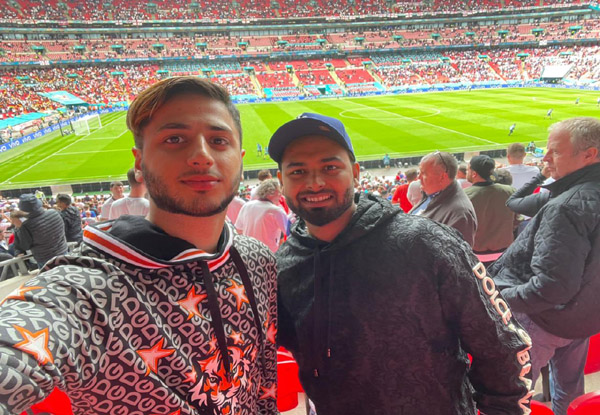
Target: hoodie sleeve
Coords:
[[496, 343], [23, 239], [42, 345], [524, 201], [562, 245]]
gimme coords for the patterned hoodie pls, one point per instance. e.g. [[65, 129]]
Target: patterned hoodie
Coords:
[[145, 323]]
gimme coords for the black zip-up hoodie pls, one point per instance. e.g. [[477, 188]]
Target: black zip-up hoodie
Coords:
[[381, 320], [72, 219]]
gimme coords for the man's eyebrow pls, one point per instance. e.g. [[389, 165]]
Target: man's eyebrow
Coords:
[[174, 126], [294, 164], [324, 160], [328, 159], [183, 126]]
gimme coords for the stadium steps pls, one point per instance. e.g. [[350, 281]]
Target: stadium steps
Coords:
[[337, 79], [295, 79], [375, 76], [522, 71], [257, 86], [495, 70]]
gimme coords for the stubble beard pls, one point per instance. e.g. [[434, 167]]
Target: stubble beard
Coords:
[[198, 207], [322, 216]]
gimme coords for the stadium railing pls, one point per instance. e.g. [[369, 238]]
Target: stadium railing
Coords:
[[14, 267]]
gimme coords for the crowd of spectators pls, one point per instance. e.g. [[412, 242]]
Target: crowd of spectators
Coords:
[[121, 83], [50, 48], [212, 10]]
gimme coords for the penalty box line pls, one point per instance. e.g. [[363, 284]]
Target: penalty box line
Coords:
[[427, 123]]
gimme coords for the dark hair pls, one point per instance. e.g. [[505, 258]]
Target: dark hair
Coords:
[[264, 175], [63, 198], [131, 178], [151, 99], [503, 176], [411, 174]]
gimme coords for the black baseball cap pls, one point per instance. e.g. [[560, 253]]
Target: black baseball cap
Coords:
[[308, 124], [484, 166]]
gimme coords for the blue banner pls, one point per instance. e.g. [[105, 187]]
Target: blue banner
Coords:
[[64, 98]]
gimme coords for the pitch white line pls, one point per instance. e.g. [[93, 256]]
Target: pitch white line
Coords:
[[95, 152], [51, 155], [427, 123], [105, 138]]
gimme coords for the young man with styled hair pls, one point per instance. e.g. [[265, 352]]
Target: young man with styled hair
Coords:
[[174, 313]]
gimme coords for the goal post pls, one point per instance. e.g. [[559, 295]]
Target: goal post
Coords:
[[87, 124]]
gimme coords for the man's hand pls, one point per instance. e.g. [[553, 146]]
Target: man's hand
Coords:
[[545, 171]]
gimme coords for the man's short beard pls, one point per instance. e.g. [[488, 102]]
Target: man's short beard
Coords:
[[171, 203], [321, 216]]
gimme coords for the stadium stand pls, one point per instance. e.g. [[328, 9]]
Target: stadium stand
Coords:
[[112, 67]]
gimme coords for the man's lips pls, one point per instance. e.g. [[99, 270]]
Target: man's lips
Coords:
[[316, 199], [201, 182]]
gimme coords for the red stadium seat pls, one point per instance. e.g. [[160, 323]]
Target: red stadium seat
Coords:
[[592, 365], [288, 384], [588, 404], [540, 409], [57, 403]]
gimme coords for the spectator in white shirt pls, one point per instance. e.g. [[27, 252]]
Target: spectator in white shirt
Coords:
[[520, 172], [262, 218], [135, 203]]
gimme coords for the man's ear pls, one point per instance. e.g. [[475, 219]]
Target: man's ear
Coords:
[[356, 173], [591, 155], [280, 179], [137, 153]]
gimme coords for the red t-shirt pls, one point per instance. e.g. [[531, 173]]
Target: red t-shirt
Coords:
[[400, 196]]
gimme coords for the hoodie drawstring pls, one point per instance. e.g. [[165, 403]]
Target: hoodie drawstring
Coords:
[[239, 264], [321, 312], [217, 320], [317, 313], [215, 312]]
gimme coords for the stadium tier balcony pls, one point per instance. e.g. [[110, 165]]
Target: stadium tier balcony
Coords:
[[101, 10], [282, 92], [237, 85], [275, 80], [315, 77], [361, 88], [354, 76]]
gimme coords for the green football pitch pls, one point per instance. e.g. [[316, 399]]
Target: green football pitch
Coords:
[[400, 125]]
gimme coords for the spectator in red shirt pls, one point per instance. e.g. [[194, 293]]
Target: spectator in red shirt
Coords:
[[400, 195]]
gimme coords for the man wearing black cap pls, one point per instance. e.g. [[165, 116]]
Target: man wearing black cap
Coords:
[[380, 308], [495, 221], [43, 232]]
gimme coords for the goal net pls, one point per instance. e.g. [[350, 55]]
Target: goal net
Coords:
[[86, 125]]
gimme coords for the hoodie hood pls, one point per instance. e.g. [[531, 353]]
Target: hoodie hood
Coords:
[[139, 242], [371, 212]]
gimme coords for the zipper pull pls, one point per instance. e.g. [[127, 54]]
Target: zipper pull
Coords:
[[328, 352], [316, 373]]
